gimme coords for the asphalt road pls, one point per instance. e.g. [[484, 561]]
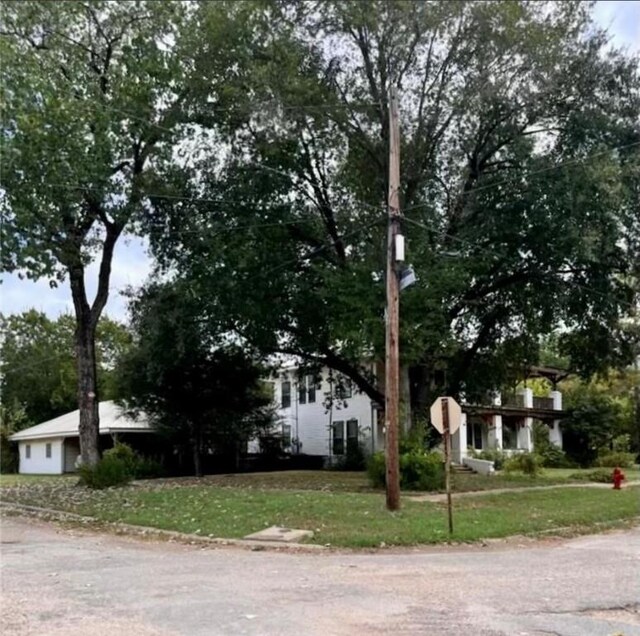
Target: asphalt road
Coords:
[[76, 583]]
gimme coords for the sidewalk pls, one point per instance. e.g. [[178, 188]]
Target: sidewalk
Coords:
[[442, 497]]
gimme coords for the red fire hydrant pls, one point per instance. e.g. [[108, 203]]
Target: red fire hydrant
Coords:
[[618, 478]]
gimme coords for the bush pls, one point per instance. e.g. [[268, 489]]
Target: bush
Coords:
[[550, 455], [418, 470], [118, 466], [621, 443], [125, 454], [613, 459], [109, 471], [494, 455], [527, 463], [376, 470], [354, 459], [147, 468], [600, 476]]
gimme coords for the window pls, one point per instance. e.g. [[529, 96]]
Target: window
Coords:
[[307, 386], [286, 394], [312, 385], [286, 435], [344, 389], [48, 451], [474, 435], [27, 452], [338, 438], [352, 435]]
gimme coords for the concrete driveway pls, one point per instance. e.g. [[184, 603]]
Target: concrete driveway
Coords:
[[58, 582]]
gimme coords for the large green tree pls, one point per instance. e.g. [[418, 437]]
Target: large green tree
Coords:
[[38, 370], [519, 185], [202, 393], [97, 97]]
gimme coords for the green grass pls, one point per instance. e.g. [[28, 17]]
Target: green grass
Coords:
[[340, 481], [337, 518], [10, 480]]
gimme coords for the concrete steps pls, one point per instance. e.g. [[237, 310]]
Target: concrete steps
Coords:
[[462, 469]]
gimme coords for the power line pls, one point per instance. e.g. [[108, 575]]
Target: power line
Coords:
[[476, 247], [556, 166]]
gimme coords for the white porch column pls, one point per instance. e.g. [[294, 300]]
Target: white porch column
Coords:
[[525, 434], [459, 441], [494, 438], [495, 432], [555, 432]]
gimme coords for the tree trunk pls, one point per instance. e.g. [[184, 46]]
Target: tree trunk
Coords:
[[197, 455], [87, 393]]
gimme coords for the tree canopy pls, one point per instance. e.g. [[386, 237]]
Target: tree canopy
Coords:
[[38, 370], [201, 393], [519, 187], [97, 97], [250, 141]]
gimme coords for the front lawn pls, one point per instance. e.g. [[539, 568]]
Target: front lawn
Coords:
[[340, 481], [337, 518]]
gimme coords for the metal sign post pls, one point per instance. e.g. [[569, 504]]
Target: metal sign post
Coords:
[[447, 458]]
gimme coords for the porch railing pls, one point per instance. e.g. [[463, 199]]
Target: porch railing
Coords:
[[513, 399], [543, 403]]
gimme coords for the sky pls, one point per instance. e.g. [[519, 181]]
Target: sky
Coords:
[[132, 264]]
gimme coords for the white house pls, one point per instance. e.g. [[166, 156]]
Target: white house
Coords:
[[52, 448], [322, 414]]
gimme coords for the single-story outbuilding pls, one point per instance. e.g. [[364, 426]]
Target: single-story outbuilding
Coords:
[[53, 447]]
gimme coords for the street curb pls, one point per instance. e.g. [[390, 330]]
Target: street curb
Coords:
[[50, 514]]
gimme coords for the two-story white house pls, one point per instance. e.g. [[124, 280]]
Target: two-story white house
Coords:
[[322, 414]]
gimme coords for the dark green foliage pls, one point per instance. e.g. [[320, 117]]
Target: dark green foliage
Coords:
[[109, 471], [118, 466], [418, 470], [353, 460], [550, 455], [147, 468], [613, 459], [595, 420], [599, 476], [13, 418], [527, 463], [494, 455], [200, 393], [38, 368], [513, 232], [9, 459]]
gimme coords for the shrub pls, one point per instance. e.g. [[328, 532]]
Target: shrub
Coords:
[[527, 463], [494, 455], [553, 457], [147, 468], [418, 470], [601, 476], [613, 459], [621, 443], [118, 466], [109, 471], [550, 455], [125, 454], [354, 459], [376, 470]]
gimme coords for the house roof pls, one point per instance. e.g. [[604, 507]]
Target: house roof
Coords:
[[112, 420]]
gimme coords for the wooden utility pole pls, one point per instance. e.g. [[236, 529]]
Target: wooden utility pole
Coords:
[[447, 459], [392, 365]]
